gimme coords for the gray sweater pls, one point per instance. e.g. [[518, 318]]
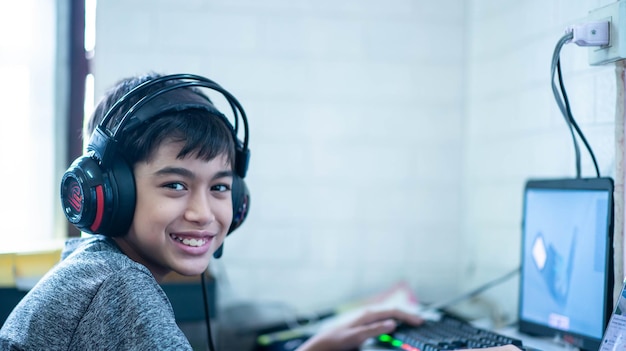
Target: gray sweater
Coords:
[[96, 298]]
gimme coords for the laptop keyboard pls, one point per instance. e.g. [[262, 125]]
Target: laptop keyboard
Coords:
[[447, 333]]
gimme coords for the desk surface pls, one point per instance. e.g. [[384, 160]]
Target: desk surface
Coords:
[[545, 344]]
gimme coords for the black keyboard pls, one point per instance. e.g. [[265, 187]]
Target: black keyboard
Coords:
[[447, 333]]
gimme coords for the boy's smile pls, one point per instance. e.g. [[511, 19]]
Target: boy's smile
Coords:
[[183, 211]]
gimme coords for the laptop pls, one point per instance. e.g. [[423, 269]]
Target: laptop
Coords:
[[566, 275]]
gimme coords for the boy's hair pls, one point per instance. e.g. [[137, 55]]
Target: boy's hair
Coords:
[[200, 131]]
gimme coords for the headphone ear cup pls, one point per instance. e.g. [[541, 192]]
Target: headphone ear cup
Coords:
[[99, 201], [241, 202]]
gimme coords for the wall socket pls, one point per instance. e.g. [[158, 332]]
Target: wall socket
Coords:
[[615, 13]]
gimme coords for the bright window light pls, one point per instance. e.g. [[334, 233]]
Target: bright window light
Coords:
[[90, 25], [27, 144], [89, 101]]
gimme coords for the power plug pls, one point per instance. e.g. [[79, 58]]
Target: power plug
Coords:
[[590, 33]]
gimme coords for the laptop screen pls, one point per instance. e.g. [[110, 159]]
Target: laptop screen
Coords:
[[567, 263]]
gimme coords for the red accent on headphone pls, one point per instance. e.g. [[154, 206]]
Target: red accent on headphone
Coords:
[[99, 208], [75, 198]]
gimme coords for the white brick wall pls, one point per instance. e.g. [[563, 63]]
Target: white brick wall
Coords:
[[390, 139]]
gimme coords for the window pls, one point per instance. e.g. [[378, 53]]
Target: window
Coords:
[[29, 143]]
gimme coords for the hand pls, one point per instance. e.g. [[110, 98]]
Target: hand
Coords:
[[354, 333]]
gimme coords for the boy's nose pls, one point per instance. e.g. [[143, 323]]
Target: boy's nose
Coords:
[[199, 209]]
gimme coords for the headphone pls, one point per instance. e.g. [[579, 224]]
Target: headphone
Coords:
[[98, 193]]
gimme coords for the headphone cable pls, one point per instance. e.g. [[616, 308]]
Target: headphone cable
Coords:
[[206, 313]]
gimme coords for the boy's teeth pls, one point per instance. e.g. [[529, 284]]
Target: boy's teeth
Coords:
[[193, 242], [190, 242]]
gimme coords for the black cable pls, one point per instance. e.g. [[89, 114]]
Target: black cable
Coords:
[[444, 304], [207, 314], [564, 105], [573, 121]]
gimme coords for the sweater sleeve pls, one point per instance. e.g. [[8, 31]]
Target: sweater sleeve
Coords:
[[129, 311]]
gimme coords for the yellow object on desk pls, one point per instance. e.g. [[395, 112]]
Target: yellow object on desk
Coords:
[[23, 270], [7, 271]]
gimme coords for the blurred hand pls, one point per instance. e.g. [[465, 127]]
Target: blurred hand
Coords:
[[353, 334]]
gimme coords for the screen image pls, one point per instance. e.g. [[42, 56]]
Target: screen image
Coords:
[[565, 260]]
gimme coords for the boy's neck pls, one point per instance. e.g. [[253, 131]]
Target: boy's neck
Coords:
[[128, 249]]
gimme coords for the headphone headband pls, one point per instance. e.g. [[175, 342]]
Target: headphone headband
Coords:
[[168, 99]]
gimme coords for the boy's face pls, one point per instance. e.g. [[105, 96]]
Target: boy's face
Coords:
[[183, 211]]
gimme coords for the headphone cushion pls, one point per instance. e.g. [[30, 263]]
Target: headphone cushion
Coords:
[[121, 181]]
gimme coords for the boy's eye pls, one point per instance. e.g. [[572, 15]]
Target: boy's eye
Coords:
[[175, 186], [221, 187]]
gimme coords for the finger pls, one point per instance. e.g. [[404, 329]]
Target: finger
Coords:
[[372, 329]]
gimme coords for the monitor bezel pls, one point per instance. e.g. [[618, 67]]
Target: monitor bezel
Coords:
[[584, 342]]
